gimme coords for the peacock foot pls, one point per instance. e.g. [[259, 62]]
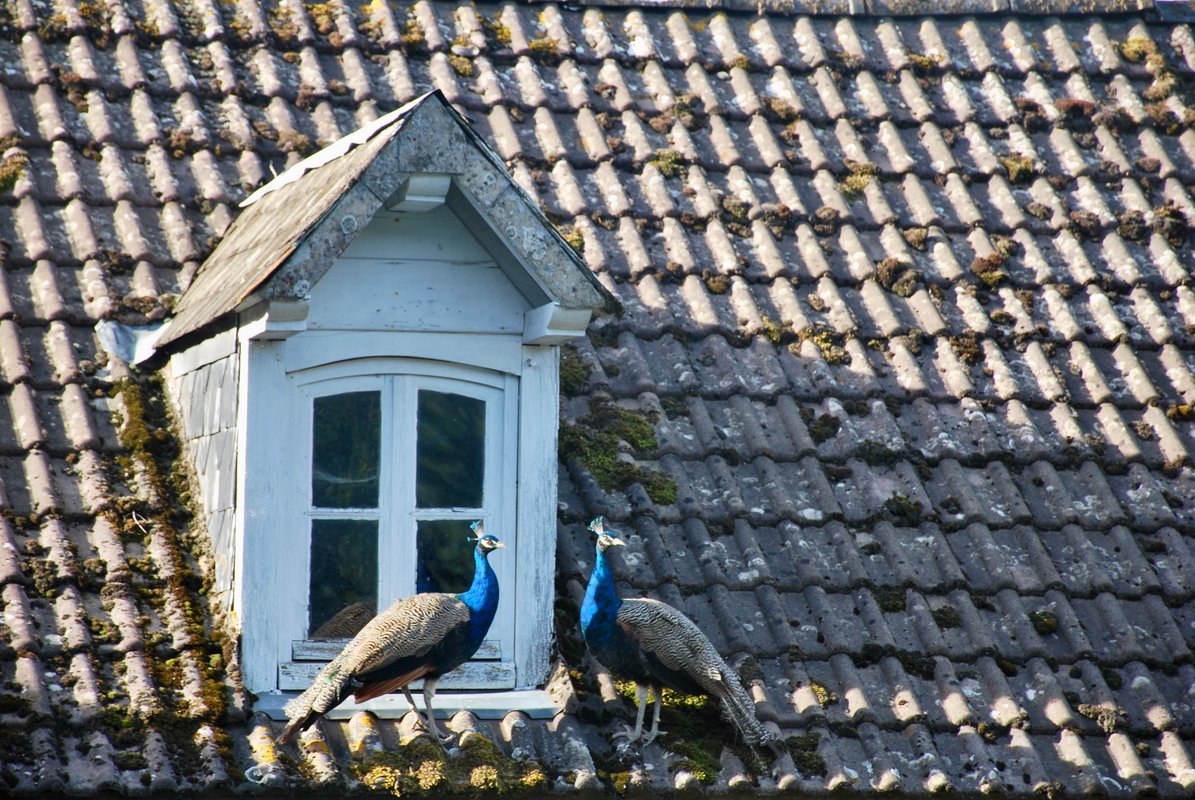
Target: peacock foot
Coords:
[[628, 733], [650, 737], [433, 732]]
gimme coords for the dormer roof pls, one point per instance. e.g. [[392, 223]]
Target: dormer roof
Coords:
[[293, 228]]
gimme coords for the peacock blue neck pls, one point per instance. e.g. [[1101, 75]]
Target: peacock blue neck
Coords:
[[601, 601], [481, 597]]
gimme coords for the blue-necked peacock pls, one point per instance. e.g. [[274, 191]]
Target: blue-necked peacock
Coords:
[[422, 636], [656, 646]]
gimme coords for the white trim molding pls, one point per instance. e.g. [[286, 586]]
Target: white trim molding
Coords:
[[274, 521]]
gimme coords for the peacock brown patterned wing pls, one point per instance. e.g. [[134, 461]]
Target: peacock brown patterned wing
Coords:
[[409, 627], [668, 635]]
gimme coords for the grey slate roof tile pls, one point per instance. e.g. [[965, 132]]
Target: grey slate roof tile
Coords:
[[1036, 472]]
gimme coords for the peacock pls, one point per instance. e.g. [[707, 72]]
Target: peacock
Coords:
[[656, 646], [421, 636]]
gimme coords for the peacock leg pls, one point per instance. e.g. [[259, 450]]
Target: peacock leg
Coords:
[[415, 708], [641, 701], [429, 691], [655, 716]]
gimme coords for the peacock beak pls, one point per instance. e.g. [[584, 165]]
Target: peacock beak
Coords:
[[499, 544], [616, 542]]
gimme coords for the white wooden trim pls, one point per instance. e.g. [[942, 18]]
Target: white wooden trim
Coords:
[[420, 193], [274, 319], [286, 547], [328, 649], [536, 543], [270, 591], [278, 380], [383, 367], [553, 324], [490, 675], [535, 703], [498, 353]]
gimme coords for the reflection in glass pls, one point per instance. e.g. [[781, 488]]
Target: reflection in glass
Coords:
[[344, 569], [450, 457], [445, 556], [346, 446]]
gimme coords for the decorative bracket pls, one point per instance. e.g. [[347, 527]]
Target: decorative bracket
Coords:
[[275, 319], [553, 324], [421, 192]]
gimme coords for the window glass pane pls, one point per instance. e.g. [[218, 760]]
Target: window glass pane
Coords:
[[344, 575], [450, 457], [346, 444], [445, 562]]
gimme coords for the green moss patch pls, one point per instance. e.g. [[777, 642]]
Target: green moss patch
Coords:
[[898, 277], [927, 65], [1172, 224], [674, 406], [916, 237], [1044, 622], [694, 729], [877, 453], [803, 749], [1039, 210], [574, 373], [1106, 717], [171, 584], [1136, 49], [891, 601], [1180, 412], [1074, 108], [823, 427], [903, 510], [1085, 224], [947, 617], [779, 110], [990, 268], [497, 33], [825, 696], [668, 162], [1019, 169], [827, 340], [594, 441], [968, 346], [716, 283], [858, 178], [545, 49], [129, 760], [826, 221], [12, 167], [421, 767], [574, 236]]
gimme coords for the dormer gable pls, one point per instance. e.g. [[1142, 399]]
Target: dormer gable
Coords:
[[366, 363], [420, 157]]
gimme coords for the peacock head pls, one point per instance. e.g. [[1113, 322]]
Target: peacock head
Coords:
[[605, 538], [486, 543]]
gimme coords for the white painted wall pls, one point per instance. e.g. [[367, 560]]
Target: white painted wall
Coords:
[[417, 272], [412, 290]]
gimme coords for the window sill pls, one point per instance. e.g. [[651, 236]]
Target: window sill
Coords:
[[535, 703]]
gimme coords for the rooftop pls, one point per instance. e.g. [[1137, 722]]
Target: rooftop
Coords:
[[905, 300]]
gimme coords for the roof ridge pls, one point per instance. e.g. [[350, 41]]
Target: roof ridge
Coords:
[[919, 8]]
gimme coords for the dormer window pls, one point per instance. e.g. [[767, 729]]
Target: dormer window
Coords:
[[367, 363], [423, 437], [404, 455]]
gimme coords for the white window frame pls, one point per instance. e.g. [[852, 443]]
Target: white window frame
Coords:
[[398, 383], [271, 577]]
